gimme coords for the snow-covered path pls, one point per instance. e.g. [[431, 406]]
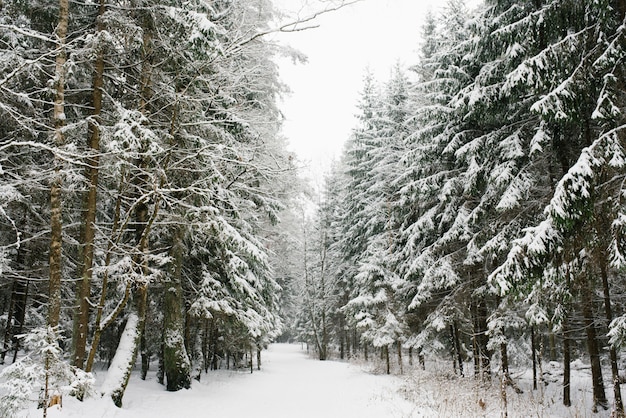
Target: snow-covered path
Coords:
[[290, 385]]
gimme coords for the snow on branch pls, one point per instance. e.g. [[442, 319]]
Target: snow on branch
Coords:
[[571, 202]]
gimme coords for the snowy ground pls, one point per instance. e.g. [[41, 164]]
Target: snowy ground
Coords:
[[292, 385]]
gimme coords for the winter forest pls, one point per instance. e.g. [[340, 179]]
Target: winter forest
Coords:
[[153, 220]]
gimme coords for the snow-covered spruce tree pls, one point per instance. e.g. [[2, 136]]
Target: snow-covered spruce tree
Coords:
[[491, 150], [578, 104], [373, 305], [197, 151], [440, 188], [352, 229], [331, 212]]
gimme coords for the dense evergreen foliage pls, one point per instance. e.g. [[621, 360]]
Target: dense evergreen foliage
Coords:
[[479, 208], [140, 149]]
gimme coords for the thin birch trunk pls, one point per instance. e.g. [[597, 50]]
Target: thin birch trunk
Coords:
[[56, 203]]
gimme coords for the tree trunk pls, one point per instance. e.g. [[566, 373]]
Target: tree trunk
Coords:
[[599, 395], [16, 317], [483, 340], [8, 331], [145, 356], [453, 351], [503, 397], [552, 342], [56, 202], [177, 364], [400, 356], [567, 361], [482, 356], [81, 320], [505, 360], [533, 349], [347, 335], [457, 347], [99, 327], [123, 361], [386, 353], [205, 346], [214, 335], [161, 368], [475, 350], [342, 345], [617, 393]]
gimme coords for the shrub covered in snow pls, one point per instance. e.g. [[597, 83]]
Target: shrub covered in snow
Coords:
[[39, 374]]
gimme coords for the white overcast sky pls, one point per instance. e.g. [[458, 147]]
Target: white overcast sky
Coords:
[[373, 34]]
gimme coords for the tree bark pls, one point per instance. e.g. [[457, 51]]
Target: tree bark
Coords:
[[599, 395], [145, 355], [482, 356], [387, 361], [453, 351], [552, 344], [457, 347], [533, 349], [56, 202], [485, 354], [617, 393], [176, 361], [81, 320], [505, 361], [475, 349], [567, 361]]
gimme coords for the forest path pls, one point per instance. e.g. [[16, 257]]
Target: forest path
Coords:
[[289, 385]]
